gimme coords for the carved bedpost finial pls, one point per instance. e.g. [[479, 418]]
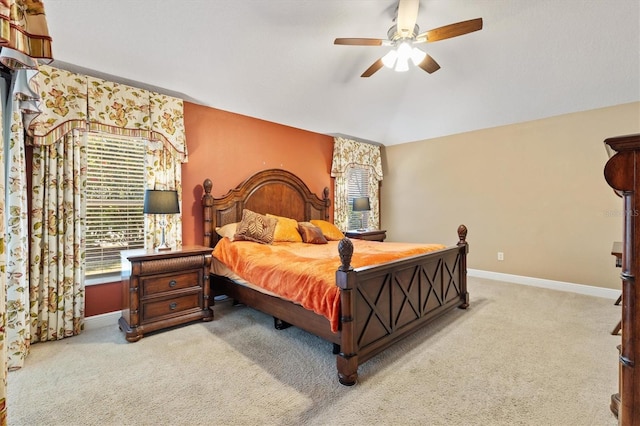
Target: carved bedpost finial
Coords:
[[207, 215], [207, 198], [462, 234], [345, 249], [207, 186]]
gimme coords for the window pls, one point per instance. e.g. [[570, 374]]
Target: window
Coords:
[[115, 196], [358, 186]]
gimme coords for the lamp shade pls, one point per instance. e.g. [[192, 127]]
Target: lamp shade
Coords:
[[161, 202], [361, 204]]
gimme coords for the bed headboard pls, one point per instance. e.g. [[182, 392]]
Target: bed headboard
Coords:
[[274, 191]]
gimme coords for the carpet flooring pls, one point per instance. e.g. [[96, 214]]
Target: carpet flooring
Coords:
[[518, 356]]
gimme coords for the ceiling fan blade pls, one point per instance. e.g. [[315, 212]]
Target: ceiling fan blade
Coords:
[[452, 30], [429, 64], [373, 68], [407, 16], [359, 41]]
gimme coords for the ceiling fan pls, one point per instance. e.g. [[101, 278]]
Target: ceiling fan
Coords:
[[404, 34]]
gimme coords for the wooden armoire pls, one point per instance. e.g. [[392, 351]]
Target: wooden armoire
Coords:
[[622, 173]]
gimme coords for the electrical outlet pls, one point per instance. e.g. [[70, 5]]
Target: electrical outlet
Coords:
[[500, 255]]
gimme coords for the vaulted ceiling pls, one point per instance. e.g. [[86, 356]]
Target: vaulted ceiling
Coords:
[[275, 60]]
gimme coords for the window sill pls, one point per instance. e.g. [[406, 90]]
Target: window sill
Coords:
[[102, 279]]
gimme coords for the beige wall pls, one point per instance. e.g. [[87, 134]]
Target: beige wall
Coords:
[[534, 191]]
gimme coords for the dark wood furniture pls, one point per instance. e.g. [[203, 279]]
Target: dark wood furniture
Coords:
[[622, 173], [616, 250], [379, 304], [370, 235], [164, 289]]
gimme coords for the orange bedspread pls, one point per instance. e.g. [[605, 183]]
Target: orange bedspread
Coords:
[[305, 273]]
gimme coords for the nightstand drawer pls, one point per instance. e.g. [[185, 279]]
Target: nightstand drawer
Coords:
[[152, 310], [160, 284]]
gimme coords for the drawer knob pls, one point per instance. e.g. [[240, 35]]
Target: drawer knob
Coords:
[[173, 305], [172, 283]]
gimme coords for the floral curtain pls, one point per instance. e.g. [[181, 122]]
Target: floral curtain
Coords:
[[165, 154], [24, 37], [167, 124], [3, 277], [162, 171], [58, 206], [21, 104], [57, 238], [347, 154]]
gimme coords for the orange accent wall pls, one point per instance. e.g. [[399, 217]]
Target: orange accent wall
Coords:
[[102, 298], [228, 148]]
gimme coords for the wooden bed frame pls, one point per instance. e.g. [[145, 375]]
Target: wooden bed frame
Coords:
[[379, 304]]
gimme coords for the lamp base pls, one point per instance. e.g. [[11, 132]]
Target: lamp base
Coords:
[[163, 244]]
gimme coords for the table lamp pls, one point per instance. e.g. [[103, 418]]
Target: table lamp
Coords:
[[161, 202], [361, 205]]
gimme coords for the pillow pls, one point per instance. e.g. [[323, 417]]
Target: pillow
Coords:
[[227, 230], [255, 227], [311, 234], [329, 230], [286, 230]]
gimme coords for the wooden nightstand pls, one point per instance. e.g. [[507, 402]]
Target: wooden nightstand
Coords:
[[163, 289], [371, 235]]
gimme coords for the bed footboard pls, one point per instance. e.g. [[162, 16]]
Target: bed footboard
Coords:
[[382, 304]]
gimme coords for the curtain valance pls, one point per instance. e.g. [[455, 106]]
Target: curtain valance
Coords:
[[63, 105], [74, 101], [347, 152], [118, 109], [167, 123], [23, 27]]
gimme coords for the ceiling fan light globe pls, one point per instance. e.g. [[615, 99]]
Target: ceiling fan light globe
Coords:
[[417, 56], [404, 51], [402, 65], [389, 60]]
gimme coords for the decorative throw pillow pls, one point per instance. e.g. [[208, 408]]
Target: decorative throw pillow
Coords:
[[286, 230], [311, 234], [329, 230], [255, 227], [228, 230]]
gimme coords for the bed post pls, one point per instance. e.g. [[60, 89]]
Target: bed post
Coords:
[[327, 202], [207, 213], [347, 359], [464, 249]]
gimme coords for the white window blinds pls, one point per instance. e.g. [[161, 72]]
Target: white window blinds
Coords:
[[115, 195], [358, 186]]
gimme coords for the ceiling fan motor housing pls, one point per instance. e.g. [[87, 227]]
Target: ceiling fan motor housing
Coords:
[[394, 35]]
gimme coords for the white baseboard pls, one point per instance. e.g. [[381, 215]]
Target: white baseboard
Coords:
[[103, 320], [607, 293]]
